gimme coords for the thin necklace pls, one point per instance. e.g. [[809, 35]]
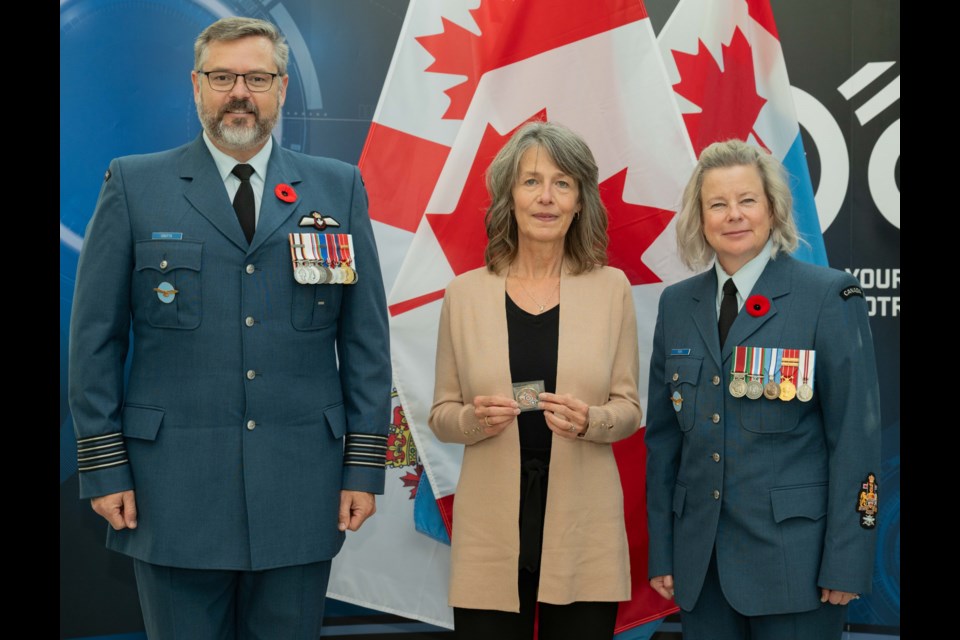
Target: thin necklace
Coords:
[[540, 307]]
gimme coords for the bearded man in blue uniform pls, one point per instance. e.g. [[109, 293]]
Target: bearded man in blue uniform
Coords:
[[251, 433]]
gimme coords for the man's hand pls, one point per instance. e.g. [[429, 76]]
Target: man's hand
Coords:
[[836, 597], [119, 509], [663, 585], [355, 507]]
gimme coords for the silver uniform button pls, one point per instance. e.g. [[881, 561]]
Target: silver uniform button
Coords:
[[251, 268], [251, 425], [716, 380], [251, 374], [716, 418], [676, 376], [163, 264], [716, 494], [249, 321], [716, 457]]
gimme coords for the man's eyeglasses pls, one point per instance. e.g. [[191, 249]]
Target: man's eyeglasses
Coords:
[[257, 82]]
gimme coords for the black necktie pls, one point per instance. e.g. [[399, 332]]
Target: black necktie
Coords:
[[728, 309], [243, 202]]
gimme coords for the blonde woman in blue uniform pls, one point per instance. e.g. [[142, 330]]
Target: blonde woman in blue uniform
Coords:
[[753, 493]]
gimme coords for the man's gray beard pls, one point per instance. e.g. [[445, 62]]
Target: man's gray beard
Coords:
[[237, 138]]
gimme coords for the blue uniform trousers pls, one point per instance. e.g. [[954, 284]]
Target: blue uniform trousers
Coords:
[[712, 618], [274, 604]]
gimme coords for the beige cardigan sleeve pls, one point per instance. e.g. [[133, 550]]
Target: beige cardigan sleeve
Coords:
[[620, 416], [451, 419]]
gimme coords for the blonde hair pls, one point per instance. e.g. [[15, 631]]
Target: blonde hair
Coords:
[[691, 244], [585, 245]]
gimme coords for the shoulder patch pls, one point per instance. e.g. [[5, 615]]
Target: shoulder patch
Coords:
[[851, 292]]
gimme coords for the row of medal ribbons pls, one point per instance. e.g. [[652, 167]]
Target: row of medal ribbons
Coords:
[[772, 373], [323, 258]]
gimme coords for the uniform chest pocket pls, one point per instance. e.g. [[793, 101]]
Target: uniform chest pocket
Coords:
[[315, 306], [682, 375], [769, 416], [166, 286]]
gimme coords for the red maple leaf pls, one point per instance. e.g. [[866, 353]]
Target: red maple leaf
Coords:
[[412, 480], [632, 229], [728, 100], [511, 31], [461, 233]]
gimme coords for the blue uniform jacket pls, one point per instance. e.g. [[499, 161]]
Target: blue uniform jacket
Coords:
[[772, 485], [237, 428]]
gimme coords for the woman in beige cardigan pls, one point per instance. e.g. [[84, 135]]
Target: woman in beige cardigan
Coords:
[[537, 375]]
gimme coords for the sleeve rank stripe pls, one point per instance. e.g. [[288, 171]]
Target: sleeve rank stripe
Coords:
[[103, 466], [368, 456], [363, 464], [364, 436], [112, 454], [366, 447], [112, 445], [118, 436], [355, 458]]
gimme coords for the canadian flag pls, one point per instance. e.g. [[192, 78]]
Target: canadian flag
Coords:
[[730, 77], [464, 76]]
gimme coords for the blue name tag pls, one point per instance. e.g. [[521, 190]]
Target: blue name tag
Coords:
[[679, 352], [166, 235]]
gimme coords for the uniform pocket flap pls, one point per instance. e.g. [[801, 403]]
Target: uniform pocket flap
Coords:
[[166, 255], [684, 370], [336, 419], [679, 498], [141, 422], [806, 501]]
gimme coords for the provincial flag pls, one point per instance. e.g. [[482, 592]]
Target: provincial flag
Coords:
[[465, 75], [730, 80]]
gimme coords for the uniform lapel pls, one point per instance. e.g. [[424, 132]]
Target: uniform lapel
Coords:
[[274, 211], [705, 313], [774, 283], [205, 191]]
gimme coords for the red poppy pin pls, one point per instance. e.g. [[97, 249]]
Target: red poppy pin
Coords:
[[285, 192], [757, 305]]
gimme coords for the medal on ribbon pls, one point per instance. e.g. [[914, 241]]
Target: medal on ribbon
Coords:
[[771, 390], [318, 274], [788, 374], [334, 257], [805, 390], [324, 260], [754, 386], [343, 241], [300, 271], [738, 385]]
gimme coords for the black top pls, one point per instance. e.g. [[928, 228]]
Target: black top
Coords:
[[533, 341]]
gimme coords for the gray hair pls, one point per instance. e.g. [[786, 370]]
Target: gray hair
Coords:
[[585, 245], [235, 28], [691, 244]]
